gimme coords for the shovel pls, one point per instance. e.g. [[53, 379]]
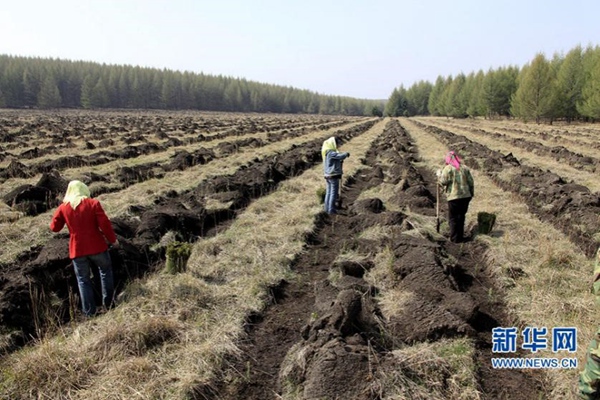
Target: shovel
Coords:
[[339, 197], [437, 207]]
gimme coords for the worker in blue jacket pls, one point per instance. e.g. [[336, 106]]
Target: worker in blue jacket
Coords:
[[333, 161]]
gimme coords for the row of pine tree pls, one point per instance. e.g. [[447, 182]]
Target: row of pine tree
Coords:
[[27, 82], [566, 87]]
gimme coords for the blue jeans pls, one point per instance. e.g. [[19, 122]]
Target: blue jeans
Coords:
[[84, 281], [331, 194]]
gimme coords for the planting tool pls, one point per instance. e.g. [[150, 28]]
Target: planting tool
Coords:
[[437, 207], [339, 197]]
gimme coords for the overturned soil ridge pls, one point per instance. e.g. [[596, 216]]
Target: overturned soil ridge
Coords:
[[570, 207], [143, 233], [571, 136], [45, 133], [324, 334], [35, 199], [18, 170], [558, 152]]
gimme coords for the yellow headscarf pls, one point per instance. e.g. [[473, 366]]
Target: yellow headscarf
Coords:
[[329, 144], [76, 191]]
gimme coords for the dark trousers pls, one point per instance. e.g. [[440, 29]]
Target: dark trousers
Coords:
[[457, 209]]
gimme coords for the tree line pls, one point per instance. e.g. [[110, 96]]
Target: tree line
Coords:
[[28, 82], [566, 87]]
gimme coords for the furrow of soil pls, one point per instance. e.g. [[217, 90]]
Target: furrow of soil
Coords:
[[149, 145], [561, 154], [144, 233], [551, 137], [111, 173], [371, 287], [40, 133], [149, 192], [573, 130], [273, 333], [541, 275], [570, 207]]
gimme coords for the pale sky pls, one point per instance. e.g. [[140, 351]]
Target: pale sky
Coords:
[[356, 48]]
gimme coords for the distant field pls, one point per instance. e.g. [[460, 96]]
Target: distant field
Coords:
[[279, 300]]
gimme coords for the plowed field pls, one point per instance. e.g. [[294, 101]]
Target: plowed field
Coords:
[[280, 300]]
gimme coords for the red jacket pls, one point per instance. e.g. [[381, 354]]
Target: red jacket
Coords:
[[89, 227]]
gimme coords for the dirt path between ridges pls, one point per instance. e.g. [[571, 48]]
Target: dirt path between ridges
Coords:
[[473, 276], [495, 384], [286, 322], [272, 334]]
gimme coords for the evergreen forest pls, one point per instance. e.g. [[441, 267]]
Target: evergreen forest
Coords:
[[566, 87], [46, 83]]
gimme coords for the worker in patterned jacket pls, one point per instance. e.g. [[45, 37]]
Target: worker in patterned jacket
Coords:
[[457, 181], [589, 378]]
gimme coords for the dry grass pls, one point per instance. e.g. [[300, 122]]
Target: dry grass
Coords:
[[394, 301], [443, 370], [376, 233], [383, 277], [554, 290], [171, 333], [7, 214]]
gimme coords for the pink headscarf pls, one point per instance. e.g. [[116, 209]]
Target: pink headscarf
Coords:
[[452, 159]]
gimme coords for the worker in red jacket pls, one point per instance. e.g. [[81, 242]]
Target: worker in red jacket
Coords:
[[90, 232]]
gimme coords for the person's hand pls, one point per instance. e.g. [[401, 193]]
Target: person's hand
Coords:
[[438, 173], [116, 244]]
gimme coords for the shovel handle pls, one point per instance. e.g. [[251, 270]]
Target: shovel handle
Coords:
[[437, 207]]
